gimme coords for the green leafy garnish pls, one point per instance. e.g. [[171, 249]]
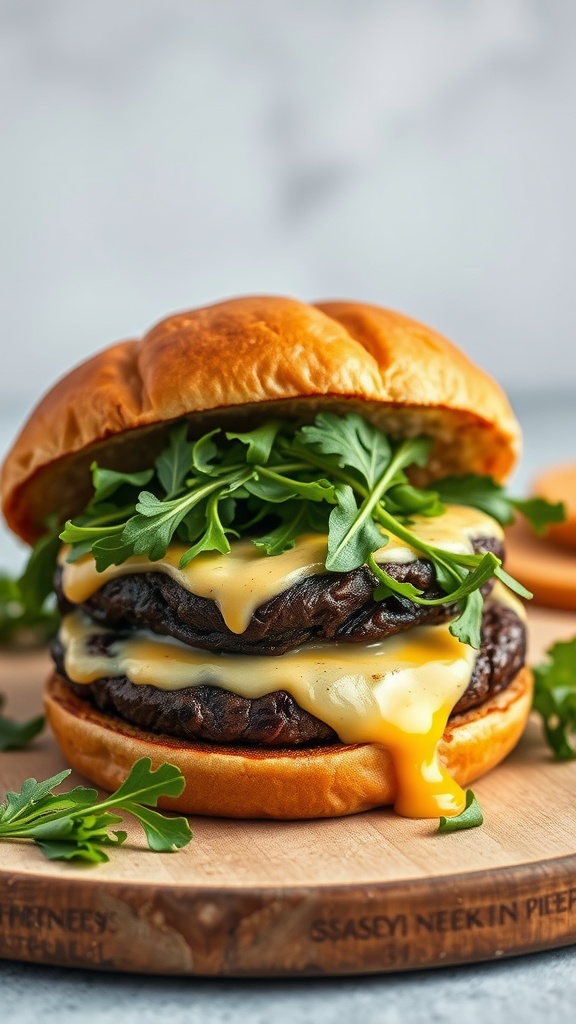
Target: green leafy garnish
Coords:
[[352, 443], [467, 626], [75, 826], [470, 817], [27, 620], [16, 735], [339, 476], [259, 441], [484, 493], [540, 513], [555, 698]]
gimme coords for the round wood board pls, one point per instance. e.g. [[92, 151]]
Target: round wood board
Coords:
[[372, 892]]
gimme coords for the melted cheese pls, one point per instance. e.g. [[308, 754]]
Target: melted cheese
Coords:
[[398, 692], [243, 580]]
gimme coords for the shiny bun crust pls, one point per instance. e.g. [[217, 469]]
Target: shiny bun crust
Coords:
[[233, 782], [238, 361]]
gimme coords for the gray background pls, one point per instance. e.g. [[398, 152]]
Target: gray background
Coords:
[[160, 154], [165, 153], [531, 990]]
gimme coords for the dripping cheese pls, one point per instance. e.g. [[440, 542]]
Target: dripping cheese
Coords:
[[398, 692], [244, 579]]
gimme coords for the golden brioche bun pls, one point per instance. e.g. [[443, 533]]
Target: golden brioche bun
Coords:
[[246, 358], [236, 782]]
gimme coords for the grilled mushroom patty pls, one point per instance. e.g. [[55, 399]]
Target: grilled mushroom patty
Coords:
[[214, 715], [331, 606]]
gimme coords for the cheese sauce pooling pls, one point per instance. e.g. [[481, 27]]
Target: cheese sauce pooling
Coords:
[[243, 580], [398, 692]]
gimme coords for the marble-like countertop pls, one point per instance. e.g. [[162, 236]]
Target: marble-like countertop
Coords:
[[530, 989]]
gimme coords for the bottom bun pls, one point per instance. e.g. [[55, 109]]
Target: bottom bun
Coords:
[[242, 782]]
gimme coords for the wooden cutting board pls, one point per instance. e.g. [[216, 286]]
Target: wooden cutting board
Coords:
[[372, 892]]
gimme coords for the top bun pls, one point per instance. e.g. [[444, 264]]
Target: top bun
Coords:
[[241, 360]]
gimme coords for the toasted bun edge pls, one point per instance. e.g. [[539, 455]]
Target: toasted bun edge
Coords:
[[322, 782]]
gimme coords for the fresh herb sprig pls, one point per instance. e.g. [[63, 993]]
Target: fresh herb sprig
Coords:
[[555, 698], [16, 735], [470, 817], [25, 620], [340, 476], [484, 493], [75, 826]]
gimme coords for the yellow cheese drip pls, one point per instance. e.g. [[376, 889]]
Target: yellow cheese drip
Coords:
[[243, 580], [398, 692]]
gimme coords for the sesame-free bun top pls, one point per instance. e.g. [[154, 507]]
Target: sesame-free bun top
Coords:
[[237, 362]]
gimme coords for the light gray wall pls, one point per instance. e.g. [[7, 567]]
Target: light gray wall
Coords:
[[160, 154]]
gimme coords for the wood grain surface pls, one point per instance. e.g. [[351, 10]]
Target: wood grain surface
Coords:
[[372, 892]]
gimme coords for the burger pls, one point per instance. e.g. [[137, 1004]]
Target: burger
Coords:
[[274, 531]]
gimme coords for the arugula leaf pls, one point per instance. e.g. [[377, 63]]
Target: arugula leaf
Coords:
[[151, 530], [539, 512], [259, 441], [24, 624], [204, 452], [74, 850], [35, 583], [480, 492], [511, 583], [92, 825], [484, 493], [416, 451], [272, 486], [385, 589], [293, 516], [352, 530], [214, 537], [555, 698], [353, 441], [74, 825], [146, 785], [112, 550], [467, 627], [175, 463], [405, 500], [9, 594], [107, 481], [79, 534], [353, 534], [339, 475], [16, 735], [193, 524], [472, 581], [99, 530], [32, 793], [470, 817], [164, 835], [467, 594]]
